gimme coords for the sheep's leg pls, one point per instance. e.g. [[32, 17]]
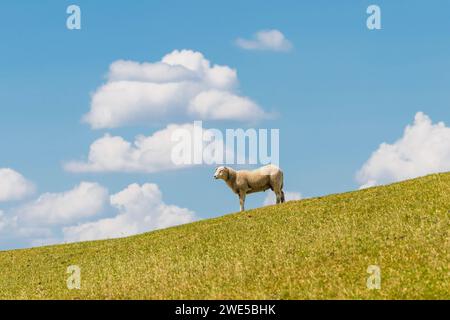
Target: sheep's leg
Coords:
[[278, 197], [242, 200], [276, 187]]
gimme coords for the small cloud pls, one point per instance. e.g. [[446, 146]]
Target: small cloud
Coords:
[[222, 105], [85, 200], [423, 149], [140, 209], [13, 185], [368, 184], [270, 40]]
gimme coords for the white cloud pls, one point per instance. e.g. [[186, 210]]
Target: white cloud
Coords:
[[288, 195], [423, 149], [150, 92], [146, 154], [85, 200], [141, 209], [222, 105], [52, 218], [13, 186], [272, 40]]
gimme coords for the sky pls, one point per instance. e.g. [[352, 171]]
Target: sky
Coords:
[[355, 107]]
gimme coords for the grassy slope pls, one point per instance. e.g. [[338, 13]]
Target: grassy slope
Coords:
[[315, 248]]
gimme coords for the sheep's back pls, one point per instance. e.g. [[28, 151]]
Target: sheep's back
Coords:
[[269, 170]]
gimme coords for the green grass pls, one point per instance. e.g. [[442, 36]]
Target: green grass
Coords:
[[314, 248]]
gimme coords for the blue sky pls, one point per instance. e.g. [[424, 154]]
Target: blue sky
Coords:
[[340, 92]]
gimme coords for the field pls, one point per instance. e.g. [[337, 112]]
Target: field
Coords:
[[317, 248]]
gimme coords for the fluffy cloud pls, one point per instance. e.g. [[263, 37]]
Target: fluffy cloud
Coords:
[[222, 105], [145, 92], [146, 154], [140, 209], [85, 200], [289, 196], [52, 218], [423, 149], [272, 40], [13, 186]]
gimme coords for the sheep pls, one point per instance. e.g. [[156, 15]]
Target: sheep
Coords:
[[244, 182]]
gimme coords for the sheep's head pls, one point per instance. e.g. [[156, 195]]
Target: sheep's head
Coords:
[[221, 173]]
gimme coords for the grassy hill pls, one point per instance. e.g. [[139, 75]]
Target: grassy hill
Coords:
[[314, 248]]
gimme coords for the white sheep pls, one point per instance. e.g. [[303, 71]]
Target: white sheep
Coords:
[[243, 182]]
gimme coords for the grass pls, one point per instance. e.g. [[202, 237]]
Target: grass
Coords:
[[311, 249]]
